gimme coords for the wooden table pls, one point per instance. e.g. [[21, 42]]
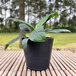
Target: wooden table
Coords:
[[12, 63]]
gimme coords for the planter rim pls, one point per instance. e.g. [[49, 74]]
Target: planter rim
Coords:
[[47, 38]]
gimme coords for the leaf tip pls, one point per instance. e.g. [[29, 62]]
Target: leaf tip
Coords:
[[56, 14], [6, 46]]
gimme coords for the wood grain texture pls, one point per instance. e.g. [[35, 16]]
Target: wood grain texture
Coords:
[[62, 63]]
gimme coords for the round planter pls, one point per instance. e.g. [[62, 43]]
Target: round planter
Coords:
[[38, 54]]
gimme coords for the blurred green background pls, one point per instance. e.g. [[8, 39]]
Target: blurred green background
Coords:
[[32, 11], [61, 40]]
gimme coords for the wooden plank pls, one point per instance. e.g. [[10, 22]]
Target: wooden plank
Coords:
[[4, 57], [67, 68], [68, 58], [68, 61], [52, 71], [62, 63], [70, 55], [19, 73], [14, 68], [4, 62], [68, 64], [33, 73], [3, 54], [28, 72], [55, 69], [38, 73], [58, 68], [10, 65], [43, 73], [17, 66], [24, 70], [3, 66], [48, 72]]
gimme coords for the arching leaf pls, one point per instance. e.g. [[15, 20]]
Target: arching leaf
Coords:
[[24, 27], [14, 40], [45, 19], [47, 30], [18, 20], [58, 30]]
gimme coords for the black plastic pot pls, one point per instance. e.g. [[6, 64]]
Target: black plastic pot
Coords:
[[38, 54]]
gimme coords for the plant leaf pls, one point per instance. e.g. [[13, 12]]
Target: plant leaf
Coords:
[[47, 30], [18, 20], [59, 30], [24, 27], [14, 40], [45, 19], [24, 43], [38, 35]]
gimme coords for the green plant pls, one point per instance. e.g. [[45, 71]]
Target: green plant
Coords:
[[37, 34]]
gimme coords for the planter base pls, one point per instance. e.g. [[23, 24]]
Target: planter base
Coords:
[[40, 68]]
